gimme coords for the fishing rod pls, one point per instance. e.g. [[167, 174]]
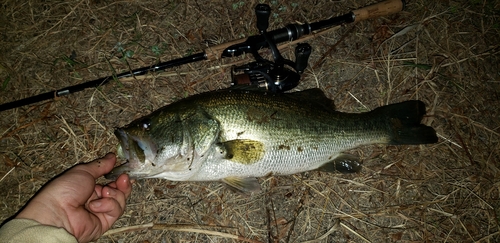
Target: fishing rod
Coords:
[[276, 76]]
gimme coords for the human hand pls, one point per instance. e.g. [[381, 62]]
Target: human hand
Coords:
[[74, 202]]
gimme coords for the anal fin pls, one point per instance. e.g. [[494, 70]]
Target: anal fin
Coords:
[[344, 163]]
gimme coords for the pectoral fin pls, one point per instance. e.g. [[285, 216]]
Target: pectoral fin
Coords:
[[344, 163], [244, 185]]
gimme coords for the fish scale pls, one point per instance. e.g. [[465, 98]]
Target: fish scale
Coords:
[[319, 139]]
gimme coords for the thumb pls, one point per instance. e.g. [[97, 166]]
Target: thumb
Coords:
[[99, 167]]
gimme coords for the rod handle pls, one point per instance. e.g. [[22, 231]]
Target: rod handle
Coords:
[[386, 7]]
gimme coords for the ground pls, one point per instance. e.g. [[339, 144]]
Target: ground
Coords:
[[444, 52]]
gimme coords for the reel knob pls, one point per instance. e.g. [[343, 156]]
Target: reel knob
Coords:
[[263, 12]]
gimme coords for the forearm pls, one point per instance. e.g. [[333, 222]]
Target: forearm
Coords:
[[26, 230]]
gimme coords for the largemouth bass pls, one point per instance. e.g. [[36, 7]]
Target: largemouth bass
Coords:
[[235, 136]]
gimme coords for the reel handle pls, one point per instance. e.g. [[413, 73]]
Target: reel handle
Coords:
[[302, 53], [263, 12]]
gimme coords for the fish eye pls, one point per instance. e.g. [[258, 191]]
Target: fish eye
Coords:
[[146, 124]]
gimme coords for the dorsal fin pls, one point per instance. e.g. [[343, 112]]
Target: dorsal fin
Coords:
[[313, 96], [244, 87]]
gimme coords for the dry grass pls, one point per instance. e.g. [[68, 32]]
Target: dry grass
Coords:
[[445, 53]]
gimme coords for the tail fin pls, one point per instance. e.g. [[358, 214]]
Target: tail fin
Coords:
[[404, 123]]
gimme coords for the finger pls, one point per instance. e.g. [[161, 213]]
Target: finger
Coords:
[[108, 206], [98, 190], [99, 167], [119, 196], [96, 194], [112, 184], [124, 184]]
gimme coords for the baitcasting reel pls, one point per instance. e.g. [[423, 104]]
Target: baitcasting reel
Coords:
[[275, 76]]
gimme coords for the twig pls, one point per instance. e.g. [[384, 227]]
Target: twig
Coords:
[[448, 140], [357, 100], [354, 232], [202, 231], [6, 174], [322, 237], [470, 57], [487, 237], [180, 227], [473, 193], [64, 18], [128, 229], [330, 50], [22, 127]]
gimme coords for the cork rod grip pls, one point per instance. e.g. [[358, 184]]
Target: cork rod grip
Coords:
[[379, 9], [373, 11]]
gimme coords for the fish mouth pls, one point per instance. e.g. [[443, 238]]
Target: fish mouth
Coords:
[[134, 151]]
